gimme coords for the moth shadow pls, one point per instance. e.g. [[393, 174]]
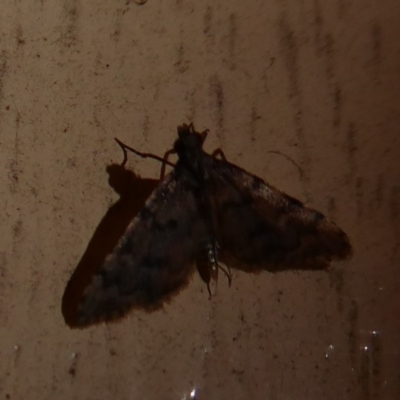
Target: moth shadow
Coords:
[[133, 192]]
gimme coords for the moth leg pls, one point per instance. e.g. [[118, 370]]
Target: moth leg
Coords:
[[209, 291], [204, 135], [206, 266], [215, 265], [125, 147], [165, 162], [227, 273], [212, 276], [219, 152], [215, 270]]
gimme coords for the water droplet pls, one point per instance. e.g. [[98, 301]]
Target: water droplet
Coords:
[[193, 393], [329, 350]]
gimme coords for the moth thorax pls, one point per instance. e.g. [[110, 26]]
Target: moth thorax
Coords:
[[189, 144]]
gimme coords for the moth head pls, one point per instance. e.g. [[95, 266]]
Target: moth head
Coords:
[[189, 141]]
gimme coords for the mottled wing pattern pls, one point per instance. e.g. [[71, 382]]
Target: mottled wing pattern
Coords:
[[264, 228], [154, 258]]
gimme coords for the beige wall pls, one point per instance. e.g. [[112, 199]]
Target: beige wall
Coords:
[[316, 80]]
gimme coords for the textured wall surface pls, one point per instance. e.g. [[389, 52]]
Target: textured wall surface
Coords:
[[317, 81]]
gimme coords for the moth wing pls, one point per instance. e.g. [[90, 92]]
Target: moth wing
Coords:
[[264, 228], [153, 259]]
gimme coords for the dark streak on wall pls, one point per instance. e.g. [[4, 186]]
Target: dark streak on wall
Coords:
[[318, 23], [337, 107], [217, 96], [290, 53], [351, 149], [353, 335], [360, 196], [376, 38], [232, 40]]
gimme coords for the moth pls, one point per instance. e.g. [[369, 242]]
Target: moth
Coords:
[[204, 211]]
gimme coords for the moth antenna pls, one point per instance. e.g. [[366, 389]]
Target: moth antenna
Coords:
[[125, 147]]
